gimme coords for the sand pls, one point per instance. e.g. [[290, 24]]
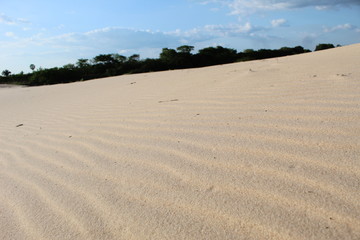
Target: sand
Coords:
[[266, 149], [10, 86]]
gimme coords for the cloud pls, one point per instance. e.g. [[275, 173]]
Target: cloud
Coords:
[[91, 43], [5, 19], [10, 34], [345, 26], [58, 50], [109, 39], [10, 21], [216, 31], [278, 22], [237, 36], [245, 7], [116, 39], [226, 30], [61, 49], [126, 38]]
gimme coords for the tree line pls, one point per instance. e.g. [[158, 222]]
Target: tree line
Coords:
[[106, 65]]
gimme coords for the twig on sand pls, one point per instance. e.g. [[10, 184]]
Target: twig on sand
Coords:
[[173, 100]]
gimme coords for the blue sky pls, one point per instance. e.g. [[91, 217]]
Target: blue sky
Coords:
[[55, 33]]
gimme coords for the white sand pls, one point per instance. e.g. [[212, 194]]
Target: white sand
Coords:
[[221, 152]]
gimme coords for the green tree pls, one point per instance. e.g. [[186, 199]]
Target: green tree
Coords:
[[6, 73], [32, 67], [82, 62], [185, 49], [299, 49], [249, 51], [323, 46], [69, 66], [134, 58], [104, 59], [218, 55], [119, 58], [168, 55]]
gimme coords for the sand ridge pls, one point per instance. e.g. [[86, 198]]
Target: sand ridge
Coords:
[[256, 150]]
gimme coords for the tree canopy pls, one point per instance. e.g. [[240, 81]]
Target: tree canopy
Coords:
[[105, 65], [185, 49], [324, 46], [6, 73]]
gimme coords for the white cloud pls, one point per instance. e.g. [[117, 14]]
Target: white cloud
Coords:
[[5, 19], [22, 20], [115, 39], [98, 41], [216, 31], [345, 26], [278, 22], [10, 21], [61, 49], [58, 50], [61, 26], [10, 34], [245, 7], [245, 28], [322, 7]]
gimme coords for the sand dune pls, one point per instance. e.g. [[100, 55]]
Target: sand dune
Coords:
[[256, 150]]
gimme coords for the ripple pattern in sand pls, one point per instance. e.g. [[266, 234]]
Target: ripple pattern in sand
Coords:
[[226, 159]]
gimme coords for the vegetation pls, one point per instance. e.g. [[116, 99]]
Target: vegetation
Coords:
[[32, 67], [6, 73], [324, 46], [105, 65]]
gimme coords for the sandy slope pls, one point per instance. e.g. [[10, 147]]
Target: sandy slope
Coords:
[[258, 150]]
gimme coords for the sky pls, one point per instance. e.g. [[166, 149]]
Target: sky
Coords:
[[55, 33]]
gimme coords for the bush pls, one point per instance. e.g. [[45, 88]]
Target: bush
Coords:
[[323, 46]]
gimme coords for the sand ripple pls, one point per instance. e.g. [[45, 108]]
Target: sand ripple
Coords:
[[211, 153]]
